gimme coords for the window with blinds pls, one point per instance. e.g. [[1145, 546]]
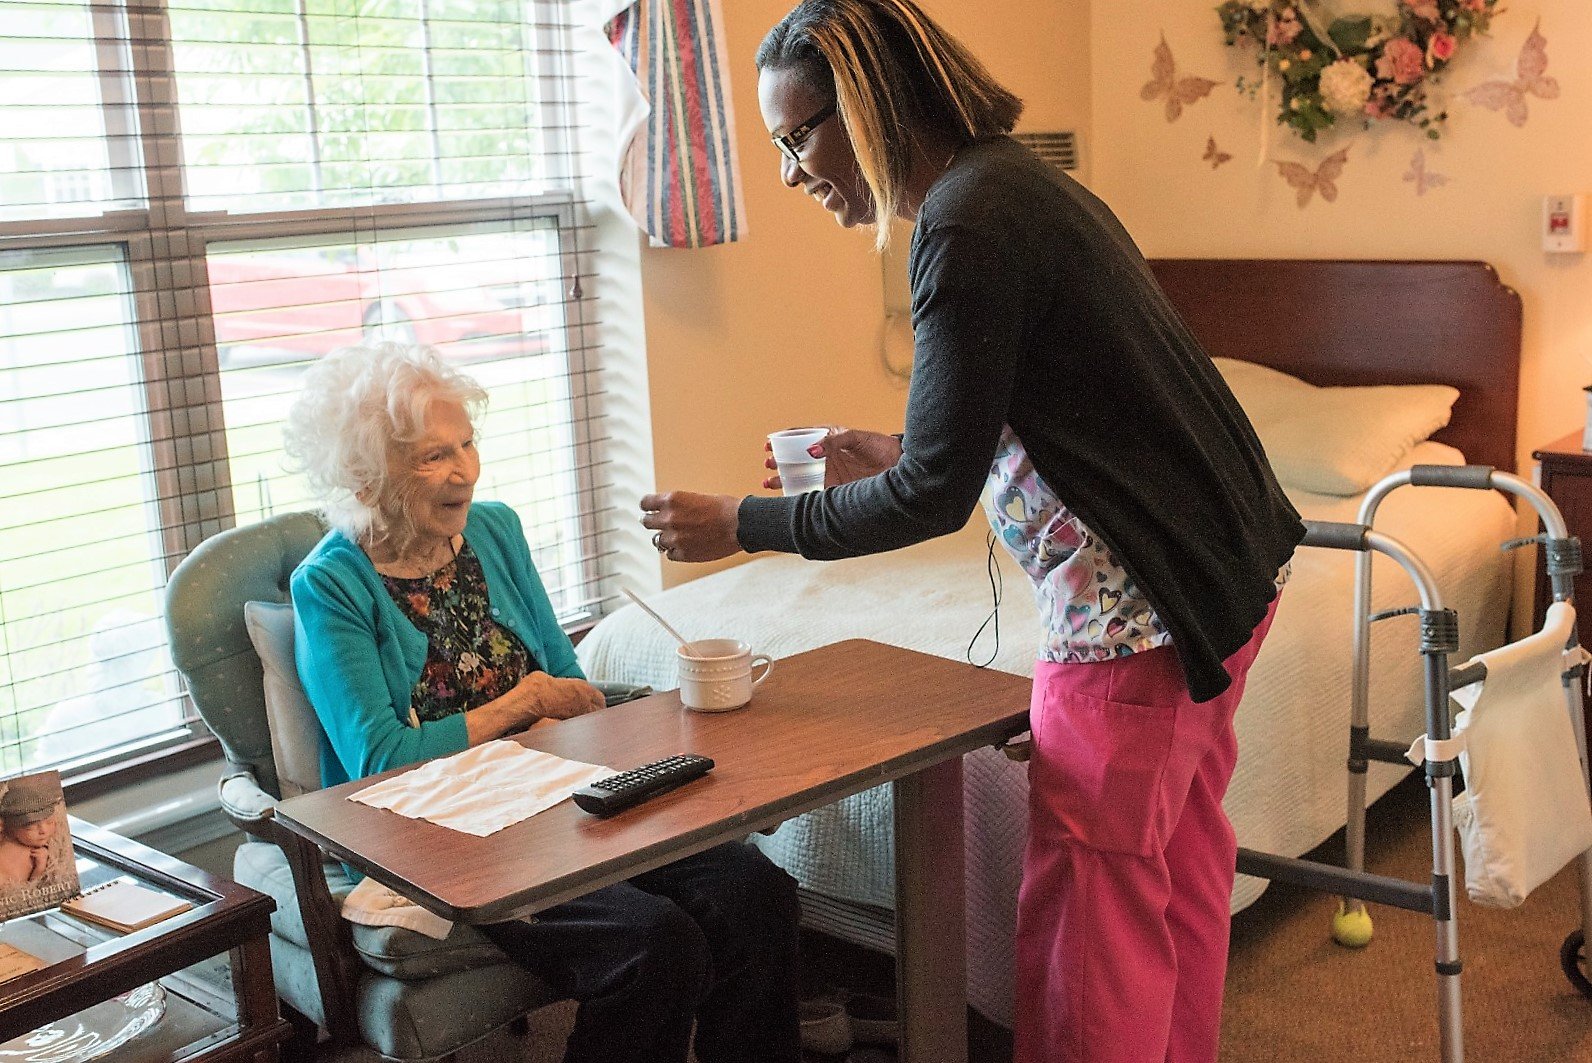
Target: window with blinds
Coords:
[[197, 199]]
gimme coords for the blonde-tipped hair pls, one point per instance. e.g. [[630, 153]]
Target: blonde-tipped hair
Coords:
[[893, 73], [358, 408]]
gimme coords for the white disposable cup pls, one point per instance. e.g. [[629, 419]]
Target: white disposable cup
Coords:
[[716, 674], [799, 471]]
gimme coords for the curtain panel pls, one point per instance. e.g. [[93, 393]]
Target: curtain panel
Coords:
[[680, 175]]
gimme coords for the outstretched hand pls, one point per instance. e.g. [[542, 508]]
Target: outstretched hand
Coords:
[[692, 527], [849, 454]]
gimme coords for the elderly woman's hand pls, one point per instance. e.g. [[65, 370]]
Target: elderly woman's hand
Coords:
[[692, 527], [551, 697], [538, 696]]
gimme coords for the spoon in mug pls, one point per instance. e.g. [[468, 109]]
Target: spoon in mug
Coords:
[[661, 621]]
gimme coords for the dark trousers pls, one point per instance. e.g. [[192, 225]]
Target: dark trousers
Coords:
[[710, 939]]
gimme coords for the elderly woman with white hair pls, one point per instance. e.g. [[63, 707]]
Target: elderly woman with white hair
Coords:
[[423, 629]]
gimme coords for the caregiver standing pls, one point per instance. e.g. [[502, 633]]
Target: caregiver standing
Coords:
[[1051, 370]]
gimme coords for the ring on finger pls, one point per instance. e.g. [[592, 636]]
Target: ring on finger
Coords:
[[657, 541]]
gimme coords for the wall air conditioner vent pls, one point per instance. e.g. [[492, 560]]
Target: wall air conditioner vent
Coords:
[[1059, 149]]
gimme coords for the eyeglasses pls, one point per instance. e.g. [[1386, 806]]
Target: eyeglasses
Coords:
[[790, 144]]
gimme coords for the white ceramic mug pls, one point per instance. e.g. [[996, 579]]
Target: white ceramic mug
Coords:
[[716, 674]]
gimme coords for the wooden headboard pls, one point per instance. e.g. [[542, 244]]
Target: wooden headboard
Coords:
[[1365, 322]]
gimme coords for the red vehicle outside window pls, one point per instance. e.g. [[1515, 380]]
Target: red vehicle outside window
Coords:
[[279, 304]]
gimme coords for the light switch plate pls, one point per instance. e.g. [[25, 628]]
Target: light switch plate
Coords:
[[1564, 223]]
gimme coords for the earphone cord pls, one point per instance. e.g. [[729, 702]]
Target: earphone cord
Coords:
[[996, 585]]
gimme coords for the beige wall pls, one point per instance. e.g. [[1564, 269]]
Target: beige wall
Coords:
[[1151, 173], [784, 327], [1175, 205]]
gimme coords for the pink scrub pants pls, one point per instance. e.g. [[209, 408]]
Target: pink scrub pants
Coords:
[[1123, 914]]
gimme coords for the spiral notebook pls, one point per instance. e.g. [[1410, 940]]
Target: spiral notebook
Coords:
[[124, 905]]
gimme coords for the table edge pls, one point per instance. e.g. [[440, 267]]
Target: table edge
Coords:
[[683, 845]]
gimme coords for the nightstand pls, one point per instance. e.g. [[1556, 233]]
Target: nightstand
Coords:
[[1567, 479]]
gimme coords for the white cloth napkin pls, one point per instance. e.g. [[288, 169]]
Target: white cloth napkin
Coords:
[[483, 789], [373, 904]]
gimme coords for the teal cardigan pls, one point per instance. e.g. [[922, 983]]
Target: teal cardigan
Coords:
[[359, 657]]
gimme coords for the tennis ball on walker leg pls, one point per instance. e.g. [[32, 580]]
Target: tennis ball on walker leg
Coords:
[[1352, 927]]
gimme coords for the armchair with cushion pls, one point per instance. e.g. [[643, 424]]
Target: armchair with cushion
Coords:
[[405, 995]]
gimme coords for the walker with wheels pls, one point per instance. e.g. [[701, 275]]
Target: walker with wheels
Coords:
[[1439, 637]]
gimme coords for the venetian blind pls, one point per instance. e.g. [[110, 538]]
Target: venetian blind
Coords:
[[197, 199]]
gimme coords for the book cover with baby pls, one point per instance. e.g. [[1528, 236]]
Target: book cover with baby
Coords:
[[37, 867]]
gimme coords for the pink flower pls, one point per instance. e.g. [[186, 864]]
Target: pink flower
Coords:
[[1382, 102], [1474, 5], [1440, 48], [1426, 9], [1282, 31], [1401, 61]]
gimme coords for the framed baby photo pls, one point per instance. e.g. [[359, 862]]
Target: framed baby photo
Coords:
[[37, 867]]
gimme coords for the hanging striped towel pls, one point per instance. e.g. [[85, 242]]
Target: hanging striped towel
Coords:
[[680, 175]]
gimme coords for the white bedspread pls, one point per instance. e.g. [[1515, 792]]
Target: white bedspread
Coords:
[[1288, 794]]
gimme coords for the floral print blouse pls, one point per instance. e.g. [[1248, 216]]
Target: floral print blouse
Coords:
[[1091, 608], [472, 659]]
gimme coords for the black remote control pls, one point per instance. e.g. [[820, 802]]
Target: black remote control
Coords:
[[618, 792]]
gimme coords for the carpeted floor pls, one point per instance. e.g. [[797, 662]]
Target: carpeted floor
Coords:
[[1292, 994]]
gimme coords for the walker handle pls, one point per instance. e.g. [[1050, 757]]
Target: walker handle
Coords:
[[1475, 477], [1335, 535]]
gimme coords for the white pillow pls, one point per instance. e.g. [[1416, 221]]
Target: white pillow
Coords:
[[1335, 440], [295, 732], [1263, 392]]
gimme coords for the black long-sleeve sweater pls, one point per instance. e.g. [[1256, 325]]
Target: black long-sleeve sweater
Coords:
[[1033, 307]]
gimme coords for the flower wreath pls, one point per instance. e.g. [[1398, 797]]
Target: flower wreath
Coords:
[[1356, 65]]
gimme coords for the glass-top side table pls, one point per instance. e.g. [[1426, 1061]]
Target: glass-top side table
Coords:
[[195, 987]]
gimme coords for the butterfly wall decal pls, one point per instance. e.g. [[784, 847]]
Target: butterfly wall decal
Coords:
[[1323, 178], [1531, 79], [1423, 178], [1213, 156], [1164, 84]]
